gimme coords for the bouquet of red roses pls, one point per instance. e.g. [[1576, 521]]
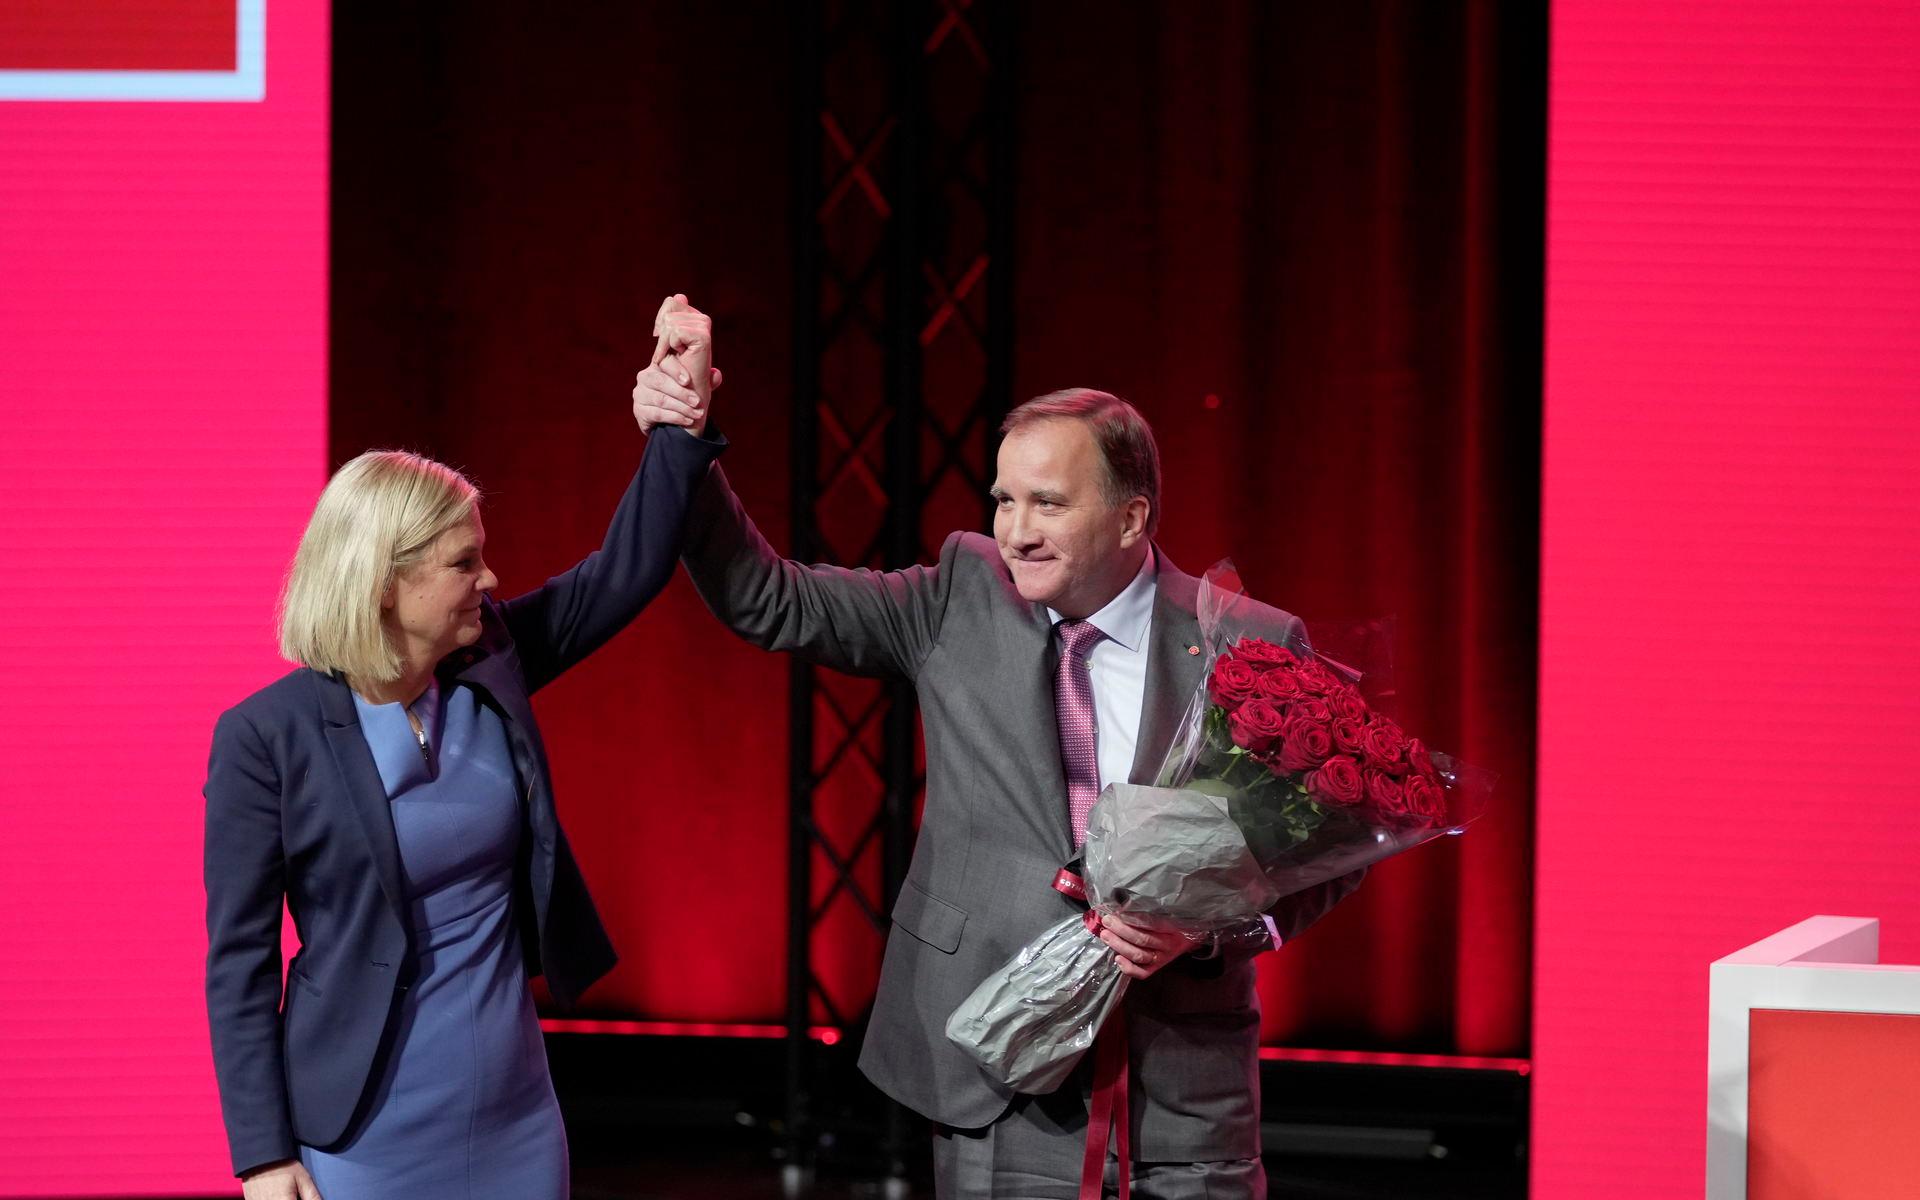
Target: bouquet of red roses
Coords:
[[1282, 775], [1317, 781]]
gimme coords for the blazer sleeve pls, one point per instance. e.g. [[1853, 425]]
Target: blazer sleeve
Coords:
[[1294, 914], [575, 613], [1290, 918], [874, 623], [246, 892]]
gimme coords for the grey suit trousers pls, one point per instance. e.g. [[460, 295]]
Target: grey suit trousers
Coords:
[[1035, 1150]]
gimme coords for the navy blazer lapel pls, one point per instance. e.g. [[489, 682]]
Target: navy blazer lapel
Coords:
[[366, 794], [1175, 666], [498, 678], [493, 666]]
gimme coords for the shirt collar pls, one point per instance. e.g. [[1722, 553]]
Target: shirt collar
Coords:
[[1124, 618]]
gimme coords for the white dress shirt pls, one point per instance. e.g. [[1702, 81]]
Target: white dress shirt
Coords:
[[1118, 666]]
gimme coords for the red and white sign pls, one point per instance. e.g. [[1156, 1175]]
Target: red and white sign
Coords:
[[132, 49]]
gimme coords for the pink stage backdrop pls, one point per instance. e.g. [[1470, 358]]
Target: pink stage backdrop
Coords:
[[162, 435], [1730, 628]]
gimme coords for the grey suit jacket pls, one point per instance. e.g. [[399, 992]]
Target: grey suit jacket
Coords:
[[995, 828]]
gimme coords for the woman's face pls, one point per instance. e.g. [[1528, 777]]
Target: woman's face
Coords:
[[433, 607]]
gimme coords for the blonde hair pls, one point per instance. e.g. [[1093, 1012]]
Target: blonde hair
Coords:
[[379, 514]]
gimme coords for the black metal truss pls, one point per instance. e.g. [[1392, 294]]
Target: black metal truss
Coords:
[[903, 238]]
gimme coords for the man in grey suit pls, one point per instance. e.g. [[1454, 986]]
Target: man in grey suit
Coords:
[[980, 635]]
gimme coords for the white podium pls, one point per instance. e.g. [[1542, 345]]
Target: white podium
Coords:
[[1813, 1068]]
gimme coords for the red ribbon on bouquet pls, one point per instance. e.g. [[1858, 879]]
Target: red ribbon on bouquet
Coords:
[[1070, 885], [1107, 1116]]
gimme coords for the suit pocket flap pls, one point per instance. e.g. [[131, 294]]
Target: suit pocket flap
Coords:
[[929, 918]]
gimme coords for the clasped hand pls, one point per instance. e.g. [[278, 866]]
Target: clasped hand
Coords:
[[677, 387]]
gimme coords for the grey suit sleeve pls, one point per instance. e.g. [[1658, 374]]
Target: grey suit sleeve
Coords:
[[246, 888], [1293, 915], [1290, 918], [857, 621]]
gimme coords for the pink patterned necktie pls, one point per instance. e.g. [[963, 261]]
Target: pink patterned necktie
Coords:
[[1073, 714]]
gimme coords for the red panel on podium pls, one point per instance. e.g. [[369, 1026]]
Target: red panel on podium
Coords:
[[1831, 1103], [118, 35]]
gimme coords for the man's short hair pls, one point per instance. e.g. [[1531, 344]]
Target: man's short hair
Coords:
[[1127, 449]]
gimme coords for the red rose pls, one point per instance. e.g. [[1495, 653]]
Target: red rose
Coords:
[[1336, 781], [1419, 759], [1312, 708], [1279, 686], [1426, 800], [1386, 747], [1258, 652], [1316, 678], [1345, 702], [1255, 725], [1306, 744], [1349, 735], [1386, 797], [1233, 683]]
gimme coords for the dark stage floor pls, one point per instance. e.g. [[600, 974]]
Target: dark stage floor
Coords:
[[700, 1119]]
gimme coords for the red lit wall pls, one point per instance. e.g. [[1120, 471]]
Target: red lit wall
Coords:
[[162, 436], [1731, 539]]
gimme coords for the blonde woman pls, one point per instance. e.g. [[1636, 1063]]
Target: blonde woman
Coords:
[[393, 794]]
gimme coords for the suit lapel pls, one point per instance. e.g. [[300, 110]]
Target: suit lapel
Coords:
[[1026, 647], [1174, 668], [366, 795], [494, 675], [1173, 671], [497, 678]]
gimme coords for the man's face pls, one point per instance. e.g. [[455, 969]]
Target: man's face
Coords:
[[1065, 545]]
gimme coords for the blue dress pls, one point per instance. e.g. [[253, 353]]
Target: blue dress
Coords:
[[464, 1108]]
